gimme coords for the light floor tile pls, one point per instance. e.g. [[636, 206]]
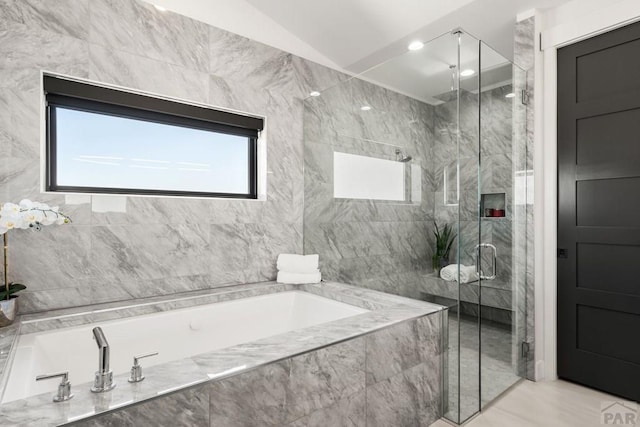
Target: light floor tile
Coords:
[[543, 404]]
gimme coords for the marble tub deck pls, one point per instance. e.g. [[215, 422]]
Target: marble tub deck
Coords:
[[385, 310]]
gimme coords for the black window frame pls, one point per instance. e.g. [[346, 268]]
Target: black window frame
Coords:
[[75, 95]]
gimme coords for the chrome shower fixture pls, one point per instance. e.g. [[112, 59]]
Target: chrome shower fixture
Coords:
[[401, 157], [453, 77]]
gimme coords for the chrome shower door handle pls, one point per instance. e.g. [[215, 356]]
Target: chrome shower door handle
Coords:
[[494, 261]]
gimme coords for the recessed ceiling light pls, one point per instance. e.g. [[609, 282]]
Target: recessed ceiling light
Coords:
[[468, 72], [416, 45], [510, 95], [365, 108], [160, 8], [314, 93]]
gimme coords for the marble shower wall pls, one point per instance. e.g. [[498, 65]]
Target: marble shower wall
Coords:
[[380, 245], [489, 115], [390, 377], [158, 245]]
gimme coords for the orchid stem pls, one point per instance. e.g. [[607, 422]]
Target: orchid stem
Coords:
[[6, 262]]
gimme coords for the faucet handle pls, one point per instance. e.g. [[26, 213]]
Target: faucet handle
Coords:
[[136, 369], [64, 388]]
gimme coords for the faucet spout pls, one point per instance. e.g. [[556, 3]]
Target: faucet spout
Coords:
[[104, 376], [103, 350]]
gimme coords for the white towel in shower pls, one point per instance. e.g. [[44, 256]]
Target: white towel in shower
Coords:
[[467, 273], [292, 263], [298, 278]]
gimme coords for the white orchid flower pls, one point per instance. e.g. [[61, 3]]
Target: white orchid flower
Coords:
[[49, 218], [10, 222], [32, 216], [26, 204], [28, 214], [9, 209]]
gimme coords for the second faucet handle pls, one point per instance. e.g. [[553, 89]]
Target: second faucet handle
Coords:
[[136, 369]]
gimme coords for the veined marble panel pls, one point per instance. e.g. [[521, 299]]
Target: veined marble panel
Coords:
[[25, 51], [234, 57], [184, 409], [410, 398], [150, 251], [401, 347], [349, 412], [137, 27], [152, 75], [65, 17]]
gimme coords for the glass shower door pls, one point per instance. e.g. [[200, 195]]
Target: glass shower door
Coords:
[[502, 256], [469, 226]]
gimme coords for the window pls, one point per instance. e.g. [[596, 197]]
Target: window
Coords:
[[104, 140]]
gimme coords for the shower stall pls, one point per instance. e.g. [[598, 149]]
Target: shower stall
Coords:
[[434, 137]]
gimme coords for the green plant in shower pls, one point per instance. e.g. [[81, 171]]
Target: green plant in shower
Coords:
[[444, 241]]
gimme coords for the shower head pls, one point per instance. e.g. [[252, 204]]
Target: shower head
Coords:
[[401, 157]]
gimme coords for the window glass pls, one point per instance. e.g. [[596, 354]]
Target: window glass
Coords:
[[104, 151]]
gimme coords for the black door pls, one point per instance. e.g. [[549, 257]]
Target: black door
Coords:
[[599, 212]]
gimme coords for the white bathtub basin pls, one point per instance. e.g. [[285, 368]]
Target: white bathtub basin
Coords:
[[174, 334]]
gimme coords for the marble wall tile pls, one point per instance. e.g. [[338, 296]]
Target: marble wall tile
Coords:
[[401, 347], [410, 398], [327, 376], [234, 57], [25, 51], [150, 75], [60, 251], [314, 77], [283, 392], [137, 27], [19, 123], [349, 412], [150, 210], [185, 408], [150, 251], [65, 17], [258, 397]]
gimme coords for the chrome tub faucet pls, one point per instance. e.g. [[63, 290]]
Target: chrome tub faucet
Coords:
[[104, 376]]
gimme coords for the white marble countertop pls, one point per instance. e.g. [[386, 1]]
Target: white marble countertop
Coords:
[[162, 379]]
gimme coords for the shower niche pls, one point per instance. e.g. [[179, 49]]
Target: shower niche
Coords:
[[493, 205]]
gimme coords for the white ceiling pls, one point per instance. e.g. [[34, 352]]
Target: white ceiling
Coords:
[[358, 35], [355, 35], [430, 73], [349, 30]]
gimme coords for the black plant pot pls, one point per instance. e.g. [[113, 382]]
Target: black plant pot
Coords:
[[439, 263]]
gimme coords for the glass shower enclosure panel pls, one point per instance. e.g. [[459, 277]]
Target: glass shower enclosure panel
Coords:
[[432, 138], [503, 221], [466, 315]]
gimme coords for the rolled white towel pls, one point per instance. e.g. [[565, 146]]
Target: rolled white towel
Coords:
[[298, 278], [467, 273], [292, 263], [449, 273]]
